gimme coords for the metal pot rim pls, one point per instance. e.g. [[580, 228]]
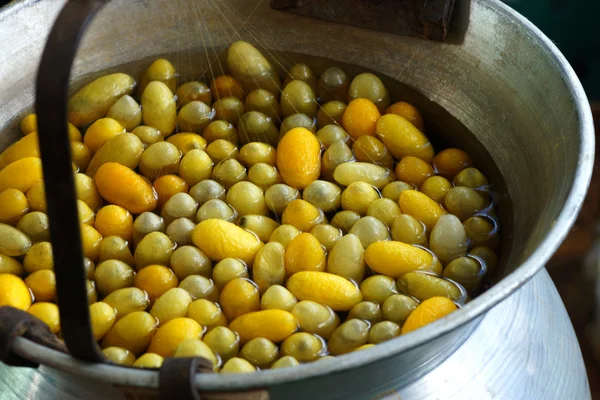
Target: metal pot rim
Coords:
[[536, 261]]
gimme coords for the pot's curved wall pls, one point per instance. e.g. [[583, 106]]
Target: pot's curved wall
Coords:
[[498, 79]]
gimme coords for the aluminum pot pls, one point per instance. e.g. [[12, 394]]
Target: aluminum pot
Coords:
[[497, 86]]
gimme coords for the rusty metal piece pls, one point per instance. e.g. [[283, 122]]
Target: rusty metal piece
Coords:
[[51, 107], [177, 382], [15, 323], [429, 19], [177, 377], [136, 393]]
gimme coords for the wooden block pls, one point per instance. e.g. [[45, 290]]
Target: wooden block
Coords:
[[429, 19]]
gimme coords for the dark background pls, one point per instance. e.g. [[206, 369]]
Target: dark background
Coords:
[[571, 25]]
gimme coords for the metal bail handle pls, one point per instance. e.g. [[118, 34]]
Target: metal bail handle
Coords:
[[52, 93], [51, 108]]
